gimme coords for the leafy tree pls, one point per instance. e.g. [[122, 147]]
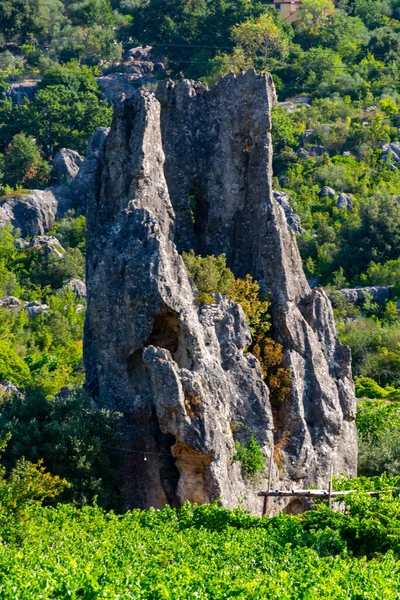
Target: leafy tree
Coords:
[[23, 163], [72, 436], [370, 11], [260, 40], [30, 19], [376, 239], [313, 16], [210, 274], [285, 131]]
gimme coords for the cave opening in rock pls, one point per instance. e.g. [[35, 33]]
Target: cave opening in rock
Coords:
[[168, 333]]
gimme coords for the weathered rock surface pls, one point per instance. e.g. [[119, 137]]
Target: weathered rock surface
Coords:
[[9, 389], [293, 220], [35, 212], [47, 244], [66, 165], [345, 202], [10, 303], [36, 308], [327, 192], [77, 286], [391, 152], [180, 373], [20, 92], [358, 295], [86, 176]]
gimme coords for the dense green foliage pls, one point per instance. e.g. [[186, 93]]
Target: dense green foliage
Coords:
[[205, 552]]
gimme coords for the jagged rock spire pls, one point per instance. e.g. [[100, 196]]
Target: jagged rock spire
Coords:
[[184, 168]]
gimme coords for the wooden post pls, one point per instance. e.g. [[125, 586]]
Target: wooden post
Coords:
[[264, 506], [330, 489], [270, 469]]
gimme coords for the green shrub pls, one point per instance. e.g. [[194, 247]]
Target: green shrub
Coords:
[[12, 366], [250, 456], [368, 388], [210, 274]]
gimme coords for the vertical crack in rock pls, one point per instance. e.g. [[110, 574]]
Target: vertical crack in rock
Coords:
[[184, 168]]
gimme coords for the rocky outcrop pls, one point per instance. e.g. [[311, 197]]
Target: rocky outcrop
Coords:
[[391, 152], [47, 245], [293, 220], [10, 303], [66, 165], [359, 295], [86, 176], [191, 168], [77, 286], [36, 308], [9, 389], [35, 211], [345, 202], [23, 91], [327, 192]]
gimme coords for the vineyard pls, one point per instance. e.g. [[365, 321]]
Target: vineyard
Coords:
[[205, 553]]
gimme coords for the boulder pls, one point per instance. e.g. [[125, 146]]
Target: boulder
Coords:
[[391, 152], [66, 165], [140, 52], [318, 150], [47, 245], [36, 308], [117, 86], [302, 153], [10, 303], [345, 202], [358, 295], [22, 91], [9, 389], [327, 192], [35, 211], [180, 374], [77, 286]]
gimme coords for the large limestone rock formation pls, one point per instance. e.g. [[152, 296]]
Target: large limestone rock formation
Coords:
[[191, 168]]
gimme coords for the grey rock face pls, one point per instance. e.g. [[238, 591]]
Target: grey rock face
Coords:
[[391, 152], [293, 220], [358, 295], [327, 192], [77, 286], [9, 389], [303, 153], [19, 92], [86, 176], [36, 308], [66, 165], [47, 245], [35, 212], [10, 303], [180, 373], [345, 202], [317, 150]]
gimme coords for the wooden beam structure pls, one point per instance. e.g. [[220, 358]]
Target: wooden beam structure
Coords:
[[316, 494]]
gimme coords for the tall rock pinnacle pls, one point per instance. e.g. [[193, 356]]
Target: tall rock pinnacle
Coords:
[[185, 168]]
